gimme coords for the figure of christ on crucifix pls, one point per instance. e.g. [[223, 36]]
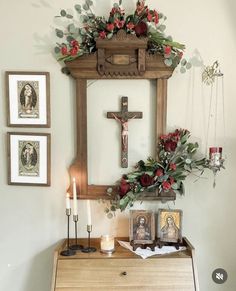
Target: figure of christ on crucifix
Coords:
[[123, 118]]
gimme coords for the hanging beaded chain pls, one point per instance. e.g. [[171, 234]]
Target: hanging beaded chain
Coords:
[[210, 75]]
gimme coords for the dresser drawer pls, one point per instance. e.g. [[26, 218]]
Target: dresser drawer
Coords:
[[120, 274]]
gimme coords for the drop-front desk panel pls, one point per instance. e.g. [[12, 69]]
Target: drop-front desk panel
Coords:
[[124, 270]]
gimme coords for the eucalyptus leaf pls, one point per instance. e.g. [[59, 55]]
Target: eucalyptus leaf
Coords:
[[120, 2], [175, 186], [168, 62], [183, 62], [188, 65], [109, 190], [86, 7], [109, 215], [71, 28], [182, 70], [78, 8], [59, 33], [89, 2], [69, 16], [57, 50], [162, 27], [110, 35], [63, 12], [69, 38], [84, 18], [113, 208]]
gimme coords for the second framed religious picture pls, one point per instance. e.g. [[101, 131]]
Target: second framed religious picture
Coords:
[[169, 225], [28, 96], [29, 159], [142, 227]]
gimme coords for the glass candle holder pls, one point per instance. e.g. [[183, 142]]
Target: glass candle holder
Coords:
[[215, 155], [107, 244]]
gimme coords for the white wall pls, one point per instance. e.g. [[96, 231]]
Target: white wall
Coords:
[[32, 218]]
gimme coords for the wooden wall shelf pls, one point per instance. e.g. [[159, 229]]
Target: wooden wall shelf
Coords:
[[124, 270]]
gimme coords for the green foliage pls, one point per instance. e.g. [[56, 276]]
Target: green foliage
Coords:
[[157, 40], [175, 162]]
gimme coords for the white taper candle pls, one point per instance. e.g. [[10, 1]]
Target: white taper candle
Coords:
[[67, 201], [89, 212]]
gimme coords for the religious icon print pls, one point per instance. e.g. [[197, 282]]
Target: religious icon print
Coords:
[[170, 225], [28, 99], [142, 228], [29, 158]]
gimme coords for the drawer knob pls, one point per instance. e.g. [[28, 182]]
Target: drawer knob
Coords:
[[124, 273]]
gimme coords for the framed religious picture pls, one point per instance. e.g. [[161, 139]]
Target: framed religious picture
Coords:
[[28, 99], [29, 159], [169, 225], [142, 227]]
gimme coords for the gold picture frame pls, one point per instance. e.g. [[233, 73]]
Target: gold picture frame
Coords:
[[169, 225]]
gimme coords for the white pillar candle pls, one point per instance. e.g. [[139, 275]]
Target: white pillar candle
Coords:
[[89, 212], [75, 206], [67, 201], [107, 243]]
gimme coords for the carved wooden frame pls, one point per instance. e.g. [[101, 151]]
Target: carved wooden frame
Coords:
[[85, 68]]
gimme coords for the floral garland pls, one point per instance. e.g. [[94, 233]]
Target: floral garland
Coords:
[[177, 159], [143, 22]]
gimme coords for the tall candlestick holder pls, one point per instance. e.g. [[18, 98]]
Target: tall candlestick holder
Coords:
[[89, 249], [68, 252], [76, 246]]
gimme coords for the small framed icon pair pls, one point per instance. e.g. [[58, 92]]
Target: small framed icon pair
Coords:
[[28, 99], [144, 231]]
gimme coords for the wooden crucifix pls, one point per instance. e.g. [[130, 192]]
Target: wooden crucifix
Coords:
[[123, 118]]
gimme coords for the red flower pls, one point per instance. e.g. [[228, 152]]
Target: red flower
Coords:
[[110, 26], [156, 17], [113, 11], [74, 43], [74, 51], [119, 23], [149, 16], [159, 172], [130, 25], [164, 136], [170, 146], [146, 180], [166, 186], [141, 28], [64, 50], [172, 166], [124, 187], [102, 34], [167, 50]]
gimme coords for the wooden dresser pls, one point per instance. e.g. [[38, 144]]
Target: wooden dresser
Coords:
[[124, 270]]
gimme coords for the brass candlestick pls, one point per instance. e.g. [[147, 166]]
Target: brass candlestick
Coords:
[[76, 246], [89, 249], [68, 252]]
